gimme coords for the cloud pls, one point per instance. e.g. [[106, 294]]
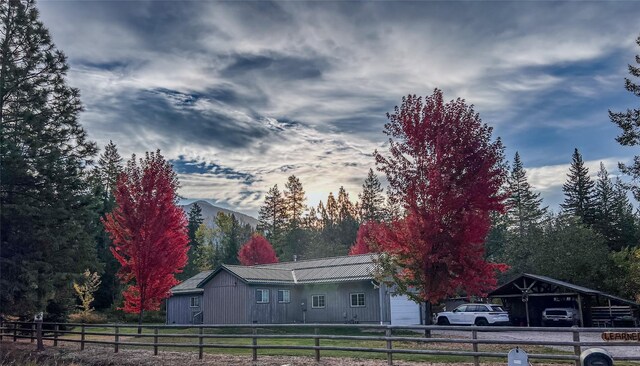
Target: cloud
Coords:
[[252, 92]]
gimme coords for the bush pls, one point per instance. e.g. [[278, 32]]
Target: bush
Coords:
[[89, 318]]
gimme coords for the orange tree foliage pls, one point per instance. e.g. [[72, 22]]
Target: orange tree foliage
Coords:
[[149, 232], [443, 166], [257, 250]]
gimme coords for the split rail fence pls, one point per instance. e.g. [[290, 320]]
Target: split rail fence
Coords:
[[154, 335]]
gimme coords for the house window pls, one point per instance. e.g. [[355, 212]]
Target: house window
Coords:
[[195, 302], [284, 296], [262, 296], [317, 301], [357, 300]]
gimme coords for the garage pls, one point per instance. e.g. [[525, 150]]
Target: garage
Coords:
[[404, 311]]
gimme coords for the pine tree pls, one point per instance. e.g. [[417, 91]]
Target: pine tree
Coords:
[[629, 122], [294, 199], [371, 199], [347, 225], [48, 218], [109, 167], [272, 218], [104, 178], [194, 221], [578, 191], [626, 224], [294, 241], [525, 206], [605, 214]]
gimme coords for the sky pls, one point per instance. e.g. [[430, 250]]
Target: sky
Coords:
[[242, 94]]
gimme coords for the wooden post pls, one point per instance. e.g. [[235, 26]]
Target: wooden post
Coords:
[[316, 331], [15, 332], [580, 309], [40, 345], [56, 329], [577, 349], [33, 332], [82, 338], [387, 334], [117, 340], [476, 358], [200, 343], [155, 341], [1, 328], [254, 342], [526, 307]]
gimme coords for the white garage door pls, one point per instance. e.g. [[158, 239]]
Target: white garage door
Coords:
[[404, 311]]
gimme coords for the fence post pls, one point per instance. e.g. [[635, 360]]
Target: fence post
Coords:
[[387, 334], [55, 335], [476, 358], [576, 348], [117, 340], [155, 341], [33, 332], [254, 343], [82, 337], [40, 345], [316, 331], [201, 342], [15, 332], [1, 327]]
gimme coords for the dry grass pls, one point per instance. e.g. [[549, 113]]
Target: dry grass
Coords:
[[22, 354]]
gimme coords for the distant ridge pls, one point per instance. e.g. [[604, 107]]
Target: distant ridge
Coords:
[[210, 211]]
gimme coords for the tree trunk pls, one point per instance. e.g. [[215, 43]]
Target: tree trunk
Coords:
[[427, 318], [140, 322]]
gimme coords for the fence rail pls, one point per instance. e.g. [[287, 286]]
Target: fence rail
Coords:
[[68, 332]]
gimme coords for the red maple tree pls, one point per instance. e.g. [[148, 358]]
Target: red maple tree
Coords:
[[257, 250], [149, 232], [447, 172], [367, 238]]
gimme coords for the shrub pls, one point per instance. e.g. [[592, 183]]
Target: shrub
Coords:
[[89, 318]]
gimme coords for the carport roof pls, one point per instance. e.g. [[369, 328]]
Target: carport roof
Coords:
[[510, 288]]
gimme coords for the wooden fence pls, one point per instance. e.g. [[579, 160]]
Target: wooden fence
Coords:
[[69, 332]]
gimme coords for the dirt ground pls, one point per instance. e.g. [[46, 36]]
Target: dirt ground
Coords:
[[101, 356]]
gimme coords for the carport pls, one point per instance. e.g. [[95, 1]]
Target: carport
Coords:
[[527, 295]]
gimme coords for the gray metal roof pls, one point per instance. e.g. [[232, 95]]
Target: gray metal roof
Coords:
[[327, 270], [192, 284], [508, 288]]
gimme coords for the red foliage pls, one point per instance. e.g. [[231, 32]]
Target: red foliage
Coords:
[[257, 250], [448, 173], [367, 238], [149, 232]]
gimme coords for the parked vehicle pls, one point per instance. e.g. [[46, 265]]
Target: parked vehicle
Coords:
[[474, 314], [560, 316]]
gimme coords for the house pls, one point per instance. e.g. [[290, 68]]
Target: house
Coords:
[[527, 295], [329, 290]]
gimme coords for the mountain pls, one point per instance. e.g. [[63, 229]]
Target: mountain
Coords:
[[209, 213]]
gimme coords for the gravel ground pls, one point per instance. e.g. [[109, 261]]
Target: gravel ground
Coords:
[[631, 350], [100, 356]]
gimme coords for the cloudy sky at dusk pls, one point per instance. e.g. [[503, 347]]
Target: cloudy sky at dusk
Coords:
[[242, 94]]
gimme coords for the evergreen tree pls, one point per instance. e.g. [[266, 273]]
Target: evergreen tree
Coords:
[[294, 241], [104, 178], [231, 235], [194, 221], [347, 225], [371, 199], [48, 217], [626, 224], [578, 191], [294, 199], [109, 168], [629, 122], [606, 220], [272, 219], [525, 206]]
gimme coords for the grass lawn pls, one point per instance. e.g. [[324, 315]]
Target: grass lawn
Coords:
[[183, 336]]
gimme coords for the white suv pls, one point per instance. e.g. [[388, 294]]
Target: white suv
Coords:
[[474, 314]]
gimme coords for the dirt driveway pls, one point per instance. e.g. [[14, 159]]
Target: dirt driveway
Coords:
[[622, 351]]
